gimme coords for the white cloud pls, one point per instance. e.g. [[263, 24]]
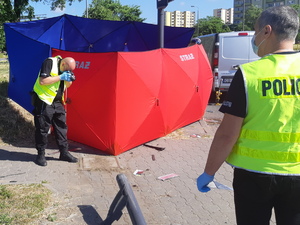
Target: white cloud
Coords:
[[59, 11]]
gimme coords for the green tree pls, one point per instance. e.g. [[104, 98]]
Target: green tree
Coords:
[[297, 8], [60, 4], [212, 24], [113, 10], [30, 12], [14, 9], [233, 27], [11, 11], [241, 27], [6, 15], [251, 15]]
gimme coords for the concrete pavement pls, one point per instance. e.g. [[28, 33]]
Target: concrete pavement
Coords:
[[83, 192]]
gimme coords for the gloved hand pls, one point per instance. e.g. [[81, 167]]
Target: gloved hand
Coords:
[[203, 180], [65, 76]]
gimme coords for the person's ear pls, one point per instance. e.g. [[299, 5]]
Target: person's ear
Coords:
[[267, 30]]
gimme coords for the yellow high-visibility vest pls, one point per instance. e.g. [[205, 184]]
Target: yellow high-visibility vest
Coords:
[[269, 141], [47, 93]]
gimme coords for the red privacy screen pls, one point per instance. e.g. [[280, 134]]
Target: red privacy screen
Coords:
[[123, 99]]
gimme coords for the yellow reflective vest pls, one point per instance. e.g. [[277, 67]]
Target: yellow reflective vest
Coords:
[[269, 141], [47, 93]]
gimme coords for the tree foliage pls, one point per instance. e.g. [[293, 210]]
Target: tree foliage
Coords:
[[251, 15], [211, 24], [113, 10], [297, 8], [12, 10], [60, 4]]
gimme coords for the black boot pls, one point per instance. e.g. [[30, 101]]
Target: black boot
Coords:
[[66, 156], [40, 159]]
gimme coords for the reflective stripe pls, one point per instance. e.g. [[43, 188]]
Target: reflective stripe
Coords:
[[47, 93], [270, 136], [278, 156]]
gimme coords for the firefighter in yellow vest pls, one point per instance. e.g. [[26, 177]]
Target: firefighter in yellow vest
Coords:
[[54, 77], [260, 132]]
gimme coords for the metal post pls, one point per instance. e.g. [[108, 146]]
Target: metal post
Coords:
[[244, 16], [87, 9], [197, 27], [132, 205], [161, 5], [197, 22], [161, 25]]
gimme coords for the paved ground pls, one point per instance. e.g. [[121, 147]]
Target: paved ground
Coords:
[[83, 192]]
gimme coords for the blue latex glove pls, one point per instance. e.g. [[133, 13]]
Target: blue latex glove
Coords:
[[203, 180], [65, 76]]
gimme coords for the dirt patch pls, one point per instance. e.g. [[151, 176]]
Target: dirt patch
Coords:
[[177, 134], [102, 163]]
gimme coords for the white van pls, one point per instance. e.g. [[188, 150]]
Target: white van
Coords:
[[226, 51]]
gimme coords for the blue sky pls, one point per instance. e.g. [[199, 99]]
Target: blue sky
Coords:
[[148, 7]]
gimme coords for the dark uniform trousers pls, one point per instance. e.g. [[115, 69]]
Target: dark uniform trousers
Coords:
[[257, 194], [46, 115]]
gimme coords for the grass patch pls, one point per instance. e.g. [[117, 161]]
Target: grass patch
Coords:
[[16, 124], [23, 204], [4, 72], [19, 204], [177, 134], [2, 55]]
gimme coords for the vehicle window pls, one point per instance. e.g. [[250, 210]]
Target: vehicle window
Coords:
[[235, 47]]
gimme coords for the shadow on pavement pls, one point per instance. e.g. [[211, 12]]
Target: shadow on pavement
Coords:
[[90, 215], [19, 156]]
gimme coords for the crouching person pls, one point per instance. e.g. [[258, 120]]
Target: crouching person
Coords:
[[54, 77]]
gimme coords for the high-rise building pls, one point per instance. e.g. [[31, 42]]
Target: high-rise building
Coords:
[[226, 15], [241, 6], [180, 19]]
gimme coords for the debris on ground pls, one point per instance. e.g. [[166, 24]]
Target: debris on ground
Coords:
[[200, 136], [212, 121], [155, 147], [168, 176], [138, 172]]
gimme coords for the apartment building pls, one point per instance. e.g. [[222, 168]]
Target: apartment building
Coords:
[[226, 15], [241, 6], [180, 19]]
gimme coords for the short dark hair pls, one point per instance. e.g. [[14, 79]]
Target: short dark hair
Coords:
[[284, 21]]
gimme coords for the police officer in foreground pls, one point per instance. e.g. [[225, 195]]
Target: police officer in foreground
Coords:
[[260, 132], [48, 99]]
